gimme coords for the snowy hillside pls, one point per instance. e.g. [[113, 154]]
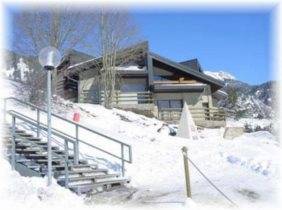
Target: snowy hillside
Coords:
[[252, 100], [246, 168]]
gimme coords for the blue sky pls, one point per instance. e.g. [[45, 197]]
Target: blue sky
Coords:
[[234, 41]]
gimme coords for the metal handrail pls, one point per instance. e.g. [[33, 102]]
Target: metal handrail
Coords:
[[69, 121], [56, 132], [76, 139], [65, 158]]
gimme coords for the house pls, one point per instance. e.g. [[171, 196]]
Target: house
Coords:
[[149, 84]]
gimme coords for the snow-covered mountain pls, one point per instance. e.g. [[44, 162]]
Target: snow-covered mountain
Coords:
[[248, 100], [221, 75]]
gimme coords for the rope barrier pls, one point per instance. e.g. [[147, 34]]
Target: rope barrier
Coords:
[[211, 183]]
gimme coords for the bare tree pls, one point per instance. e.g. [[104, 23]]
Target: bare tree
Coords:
[[116, 31], [62, 28]]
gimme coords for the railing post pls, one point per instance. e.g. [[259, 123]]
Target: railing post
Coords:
[[186, 169], [66, 164], [130, 154], [122, 160], [38, 123], [76, 146], [13, 142], [5, 110]]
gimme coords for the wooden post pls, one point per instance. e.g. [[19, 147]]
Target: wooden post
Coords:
[[186, 170]]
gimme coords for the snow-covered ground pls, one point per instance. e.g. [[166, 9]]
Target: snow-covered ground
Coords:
[[245, 168]]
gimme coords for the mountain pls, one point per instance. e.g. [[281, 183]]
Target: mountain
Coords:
[[245, 100], [221, 75]]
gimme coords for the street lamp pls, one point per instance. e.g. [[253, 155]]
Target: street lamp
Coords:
[[49, 58]]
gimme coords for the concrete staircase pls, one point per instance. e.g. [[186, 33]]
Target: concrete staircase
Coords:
[[31, 160]]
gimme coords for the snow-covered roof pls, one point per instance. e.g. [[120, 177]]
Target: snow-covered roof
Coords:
[[131, 68], [81, 63]]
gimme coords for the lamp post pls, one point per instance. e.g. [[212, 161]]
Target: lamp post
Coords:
[[49, 58]]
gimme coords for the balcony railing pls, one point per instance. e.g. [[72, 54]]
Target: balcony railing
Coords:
[[119, 97], [198, 114]]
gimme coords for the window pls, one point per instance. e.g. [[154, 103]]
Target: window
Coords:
[[133, 85], [163, 104], [174, 104]]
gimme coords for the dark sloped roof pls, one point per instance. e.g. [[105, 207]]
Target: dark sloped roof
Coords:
[[73, 56], [193, 64], [135, 52], [188, 70], [77, 56]]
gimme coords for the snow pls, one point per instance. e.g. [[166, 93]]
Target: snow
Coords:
[[10, 72], [24, 69], [245, 168], [221, 75], [119, 68], [252, 122], [81, 63], [130, 68], [19, 192]]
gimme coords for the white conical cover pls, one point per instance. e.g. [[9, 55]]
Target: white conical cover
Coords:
[[187, 128]]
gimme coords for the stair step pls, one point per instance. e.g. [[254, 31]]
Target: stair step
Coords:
[[45, 156], [83, 178], [54, 161], [98, 170], [18, 131], [24, 135], [39, 156], [27, 151], [83, 188], [24, 161], [21, 145], [75, 166], [33, 139], [33, 166]]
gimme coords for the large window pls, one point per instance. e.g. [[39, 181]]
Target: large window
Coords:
[[133, 85], [167, 104]]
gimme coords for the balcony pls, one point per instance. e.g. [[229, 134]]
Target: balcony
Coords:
[[203, 117]]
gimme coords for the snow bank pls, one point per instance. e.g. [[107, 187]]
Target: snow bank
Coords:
[[19, 192]]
